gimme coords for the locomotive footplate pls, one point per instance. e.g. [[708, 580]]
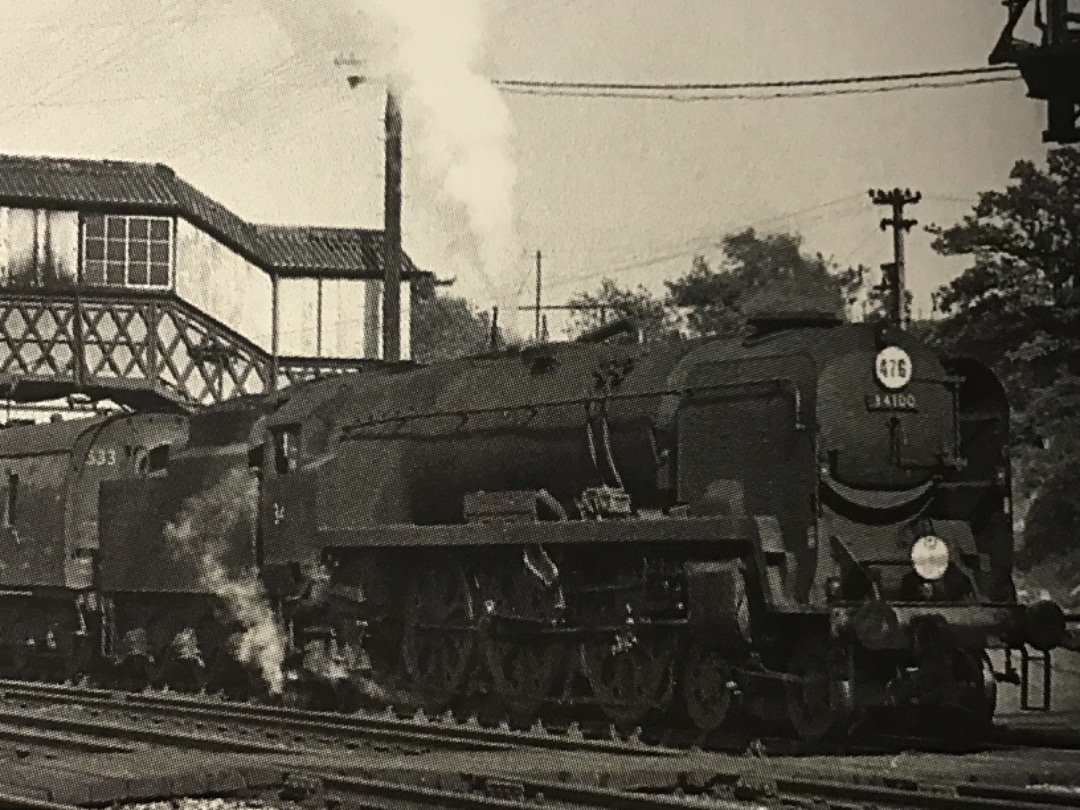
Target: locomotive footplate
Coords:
[[934, 655], [878, 625], [509, 627]]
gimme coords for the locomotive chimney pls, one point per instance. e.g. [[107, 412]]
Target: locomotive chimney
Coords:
[[391, 254]]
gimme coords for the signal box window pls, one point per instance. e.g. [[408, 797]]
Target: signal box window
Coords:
[[127, 251], [286, 449]]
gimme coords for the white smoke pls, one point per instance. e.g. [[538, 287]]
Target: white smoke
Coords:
[[203, 532], [464, 128], [456, 124]]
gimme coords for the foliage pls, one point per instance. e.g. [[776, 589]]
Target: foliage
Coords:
[[758, 273], [445, 327], [653, 317], [1017, 308], [761, 273]]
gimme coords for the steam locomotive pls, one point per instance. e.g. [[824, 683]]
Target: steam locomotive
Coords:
[[804, 524]]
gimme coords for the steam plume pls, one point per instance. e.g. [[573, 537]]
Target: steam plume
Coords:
[[456, 124], [464, 126], [205, 529], [431, 49]]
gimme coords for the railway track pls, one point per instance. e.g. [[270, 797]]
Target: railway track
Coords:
[[724, 791], [102, 721], [108, 718], [206, 723]]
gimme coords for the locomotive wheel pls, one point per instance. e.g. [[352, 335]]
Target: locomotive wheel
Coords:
[[818, 700], [225, 675], [629, 677], [989, 692], [439, 639], [979, 687], [524, 672], [708, 690]]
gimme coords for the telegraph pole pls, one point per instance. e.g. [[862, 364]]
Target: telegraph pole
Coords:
[[391, 247], [392, 233], [895, 273], [539, 293]]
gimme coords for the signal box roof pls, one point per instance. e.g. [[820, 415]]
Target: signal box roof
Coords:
[[153, 188]]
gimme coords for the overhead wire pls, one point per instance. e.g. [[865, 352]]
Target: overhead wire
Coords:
[[148, 137], [727, 91], [693, 247], [704, 238], [757, 85], [567, 92], [309, 329], [57, 84]]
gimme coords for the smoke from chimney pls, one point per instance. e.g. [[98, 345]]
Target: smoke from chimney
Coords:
[[460, 127]]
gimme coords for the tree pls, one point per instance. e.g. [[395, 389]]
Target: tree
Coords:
[[445, 327], [761, 273], [1017, 308], [653, 317]]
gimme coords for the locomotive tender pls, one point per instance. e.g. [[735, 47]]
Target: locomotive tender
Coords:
[[802, 524]]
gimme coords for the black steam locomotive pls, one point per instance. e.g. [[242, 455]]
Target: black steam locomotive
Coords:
[[800, 524]]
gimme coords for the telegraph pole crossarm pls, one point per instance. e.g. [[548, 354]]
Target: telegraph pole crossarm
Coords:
[[895, 271]]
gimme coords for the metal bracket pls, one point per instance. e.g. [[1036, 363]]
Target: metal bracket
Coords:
[[1026, 660]]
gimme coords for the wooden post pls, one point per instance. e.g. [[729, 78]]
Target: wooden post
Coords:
[[539, 293], [897, 199], [392, 233], [273, 332]]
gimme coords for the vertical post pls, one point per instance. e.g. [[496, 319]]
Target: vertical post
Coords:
[[494, 339], [153, 337], [1057, 22], [539, 293], [77, 332], [897, 199], [318, 319], [392, 233], [1061, 111], [273, 332], [220, 361]]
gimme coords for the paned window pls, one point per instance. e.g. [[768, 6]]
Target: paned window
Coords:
[[127, 251]]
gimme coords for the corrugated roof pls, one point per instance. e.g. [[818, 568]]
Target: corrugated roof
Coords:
[[111, 184], [302, 248]]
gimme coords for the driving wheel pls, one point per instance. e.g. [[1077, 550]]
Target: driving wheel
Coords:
[[525, 668], [439, 638], [629, 675], [818, 697], [708, 689]]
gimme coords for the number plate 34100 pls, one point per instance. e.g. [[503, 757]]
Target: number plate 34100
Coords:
[[891, 402]]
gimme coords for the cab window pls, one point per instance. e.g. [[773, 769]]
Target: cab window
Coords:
[[149, 462]]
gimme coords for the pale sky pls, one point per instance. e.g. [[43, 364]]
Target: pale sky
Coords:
[[242, 99]]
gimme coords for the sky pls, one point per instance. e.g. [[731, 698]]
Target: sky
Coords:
[[244, 99]]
